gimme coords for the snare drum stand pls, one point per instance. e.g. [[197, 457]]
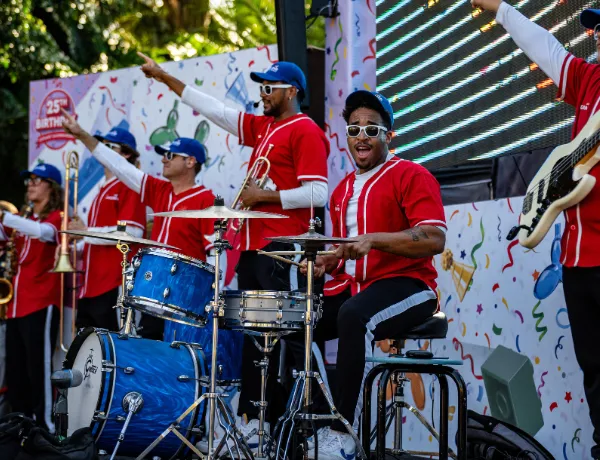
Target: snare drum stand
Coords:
[[300, 400], [215, 400], [265, 442]]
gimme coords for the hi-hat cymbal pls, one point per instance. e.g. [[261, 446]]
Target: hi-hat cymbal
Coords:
[[118, 236], [220, 212], [311, 238]]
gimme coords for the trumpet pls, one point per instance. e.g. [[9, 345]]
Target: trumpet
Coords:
[[67, 258], [253, 174]]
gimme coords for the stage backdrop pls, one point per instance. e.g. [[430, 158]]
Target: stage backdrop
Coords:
[[153, 113]]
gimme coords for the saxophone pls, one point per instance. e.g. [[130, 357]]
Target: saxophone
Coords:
[[8, 262]]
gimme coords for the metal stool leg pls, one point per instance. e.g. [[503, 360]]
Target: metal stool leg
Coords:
[[381, 413], [366, 416], [444, 409], [461, 444]]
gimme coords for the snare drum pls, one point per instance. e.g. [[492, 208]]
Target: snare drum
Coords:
[[266, 309], [229, 348], [171, 286], [167, 377]]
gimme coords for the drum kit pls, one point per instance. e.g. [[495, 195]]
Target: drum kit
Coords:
[[135, 392]]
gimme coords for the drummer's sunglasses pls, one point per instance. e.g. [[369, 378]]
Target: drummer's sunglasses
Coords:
[[370, 130], [268, 89]]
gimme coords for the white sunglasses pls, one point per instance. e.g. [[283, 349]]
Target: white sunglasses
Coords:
[[268, 89], [112, 145], [370, 130], [170, 155]]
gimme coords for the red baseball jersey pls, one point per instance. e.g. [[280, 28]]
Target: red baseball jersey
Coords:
[[580, 86], [189, 235], [297, 149], [401, 195], [102, 263], [35, 287]]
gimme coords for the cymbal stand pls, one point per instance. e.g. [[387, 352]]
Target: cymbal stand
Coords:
[[298, 407], [127, 325], [215, 400]]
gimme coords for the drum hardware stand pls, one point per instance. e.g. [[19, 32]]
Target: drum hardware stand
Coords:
[[300, 400], [132, 404], [265, 441], [215, 400], [127, 324]]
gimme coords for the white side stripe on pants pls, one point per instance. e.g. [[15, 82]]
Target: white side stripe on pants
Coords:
[[391, 311]]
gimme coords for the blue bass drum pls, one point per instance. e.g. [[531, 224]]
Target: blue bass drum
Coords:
[[166, 375], [229, 348], [171, 286]]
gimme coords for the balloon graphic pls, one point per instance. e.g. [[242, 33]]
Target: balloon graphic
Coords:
[[166, 134]]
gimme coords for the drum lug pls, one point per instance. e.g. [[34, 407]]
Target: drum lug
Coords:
[[120, 418], [137, 262], [173, 268], [166, 292], [242, 313], [184, 378], [107, 366], [129, 370], [279, 315], [148, 276], [130, 286], [99, 416]]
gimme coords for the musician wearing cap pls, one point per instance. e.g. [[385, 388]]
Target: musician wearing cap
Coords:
[[102, 262], [182, 160], [32, 322], [384, 283], [578, 83], [297, 151]]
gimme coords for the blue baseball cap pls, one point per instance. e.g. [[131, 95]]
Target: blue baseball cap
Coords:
[[120, 136], [287, 72], [372, 100], [46, 171], [186, 146], [590, 18]]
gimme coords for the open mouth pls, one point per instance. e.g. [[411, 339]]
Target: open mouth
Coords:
[[363, 150]]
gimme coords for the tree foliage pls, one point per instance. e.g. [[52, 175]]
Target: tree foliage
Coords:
[[46, 39]]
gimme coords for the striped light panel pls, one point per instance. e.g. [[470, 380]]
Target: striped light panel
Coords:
[[460, 88]]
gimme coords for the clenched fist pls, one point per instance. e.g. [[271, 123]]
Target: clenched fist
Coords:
[[488, 5]]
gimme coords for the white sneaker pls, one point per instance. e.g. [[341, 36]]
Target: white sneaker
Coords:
[[334, 446], [249, 432], [322, 433]]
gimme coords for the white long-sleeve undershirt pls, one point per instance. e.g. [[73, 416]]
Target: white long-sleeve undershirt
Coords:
[[126, 172], [227, 118], [535, 41], [37, 230], [213, 109]]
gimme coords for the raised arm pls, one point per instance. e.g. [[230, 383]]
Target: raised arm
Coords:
[[535, 41], [213, 109], [38, 230], [126, 172]]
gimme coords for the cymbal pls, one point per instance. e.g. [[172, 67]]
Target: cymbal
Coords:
[[311, 238], [220, 212], [118, 236]]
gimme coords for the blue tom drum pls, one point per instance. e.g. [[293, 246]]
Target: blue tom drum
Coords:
[[171, 286]]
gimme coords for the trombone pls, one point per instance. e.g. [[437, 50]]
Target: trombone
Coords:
[[67, 258], [253, 174]]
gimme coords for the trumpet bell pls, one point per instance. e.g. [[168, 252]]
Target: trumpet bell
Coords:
[[63, 265], [6, 291]]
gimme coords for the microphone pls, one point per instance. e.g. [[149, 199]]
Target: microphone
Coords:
[[256, 104], [67, 378]]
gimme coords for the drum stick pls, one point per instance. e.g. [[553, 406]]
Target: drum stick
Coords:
[[293, 253], [283, 259]]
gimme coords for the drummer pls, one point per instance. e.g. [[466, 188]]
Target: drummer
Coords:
[[182, 160], [114, 202], [385, 282]]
